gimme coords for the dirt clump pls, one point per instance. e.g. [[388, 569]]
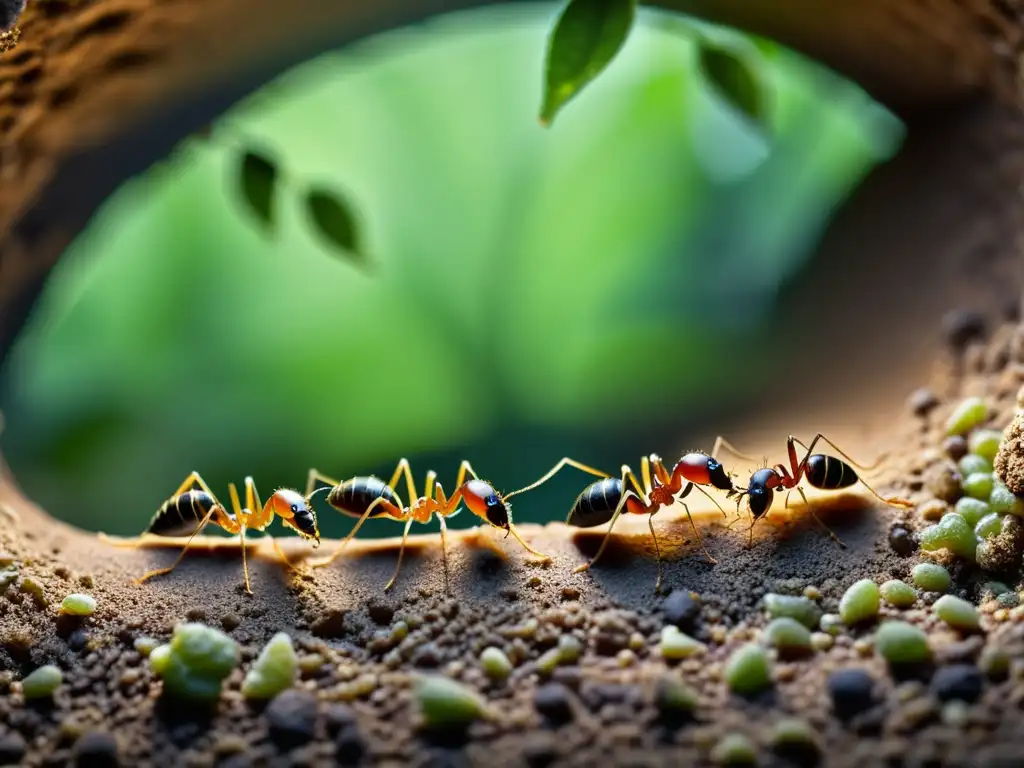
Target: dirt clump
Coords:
[[1009, 464]]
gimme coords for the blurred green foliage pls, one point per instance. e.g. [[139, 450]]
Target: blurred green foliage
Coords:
[[582, 289]]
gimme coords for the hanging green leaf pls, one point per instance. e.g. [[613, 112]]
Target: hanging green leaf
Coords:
[[335, 222], [586, 37], [735, 80], [258, 180]]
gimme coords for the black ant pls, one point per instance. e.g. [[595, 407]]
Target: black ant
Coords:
[[366, 497], [826, 473], [194, 505], [604, 500]]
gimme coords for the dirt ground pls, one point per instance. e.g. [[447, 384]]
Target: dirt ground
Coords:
[[605, 706]]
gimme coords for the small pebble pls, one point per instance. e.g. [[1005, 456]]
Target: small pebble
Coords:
[[898, 593], [995, 663], [962, 682], [96, 749], [860, 602], [553, 702], [969, 414], [901, 538], [446, 703], [734, 749], [676, 645], [803, 609], [831, 624], [145, 645], [786, 634], [496, 664], [821, 641], [349, 746], [852, 691], [957, 612], [901, 643], [793, 733], [569, 649], [673, 696], [291, 718], [922, 401], [931, 577], [960, 327], [682, 609], [78, 605], [943, 482], [747, 671], [12, 748], [933, 510], [42, 682]]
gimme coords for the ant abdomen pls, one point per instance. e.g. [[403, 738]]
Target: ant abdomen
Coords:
[[829, 473], [596, 505], [354, 497], [181, 515]]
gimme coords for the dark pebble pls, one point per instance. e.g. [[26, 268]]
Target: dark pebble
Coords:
[[381, 612], [337, 717], [349, 746], [902, 541], [955, 447], [963, 682], [427, 655], [291, 717], [962, 326], [230, 622], [12, 748], [553, 702], [681, 609], [96, 749], [852, 692], [539, 749], [922, 401], [77, 640]]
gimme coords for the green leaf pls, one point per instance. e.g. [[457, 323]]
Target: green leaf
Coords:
[[586, 37], [334, 221], [258, 179], [735, 80]]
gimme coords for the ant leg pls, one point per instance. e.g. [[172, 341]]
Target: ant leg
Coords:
[[702, 490], [891, 500], [527, 547], [282, 555], [380, 500], [645, 472], [818, 520], [242, 516], [721, 442], [315, 477], [162, 571], [444, 552], [401, 554], [627, 474], [404, 468], [837, 449], [657, 552], [565, 462], [679, 498]]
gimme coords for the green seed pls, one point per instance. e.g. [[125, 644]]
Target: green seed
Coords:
[[959, 535], [994, 662], [673, 695], [42, 682], [831, 624], [997, 588], [990, 525], [979, 485], [821, 641], [179, 679], [549, 661], [145, 645], [803, 609], [787, 634], [971, 510], [734, 749], [985, 443], [160, 658], [205, 650], [495, 664], [931, 577], [78, 605], [446, 703], [399, 632], [973, 463], [678, 645], [747, 671], [860, 602], [1003, 500], [958, 613], [794, 732], [932, 538], [902, 643], [966, 416], [569, 649], [898, 594], [275, 669]]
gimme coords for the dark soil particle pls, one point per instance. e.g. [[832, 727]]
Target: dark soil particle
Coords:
[[963, 682], [955, 446], [682, 610], [902, 540], [291, 718], [349, 745], [852, 692], [12, 748], [96, 749], [922, 401], [960, 327], [554, 702]]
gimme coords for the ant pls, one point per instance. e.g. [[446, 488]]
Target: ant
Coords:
[[604, 500], [366, 497], [826, 473], [190, 508]]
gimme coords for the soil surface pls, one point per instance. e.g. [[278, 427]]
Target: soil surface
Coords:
[[602, 709]]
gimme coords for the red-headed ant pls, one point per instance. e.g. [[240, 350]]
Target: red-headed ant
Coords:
[[826, 473], [604, 500]]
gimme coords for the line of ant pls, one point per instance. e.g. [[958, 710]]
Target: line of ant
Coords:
[[194, 505]]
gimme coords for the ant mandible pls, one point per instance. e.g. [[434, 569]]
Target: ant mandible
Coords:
[[604, 500], [194, 505], [824, 472], [366, 497]]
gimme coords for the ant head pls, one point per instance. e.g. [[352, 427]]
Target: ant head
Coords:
[[295, 512], [485, 502], [719, 478], [759, 493]]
